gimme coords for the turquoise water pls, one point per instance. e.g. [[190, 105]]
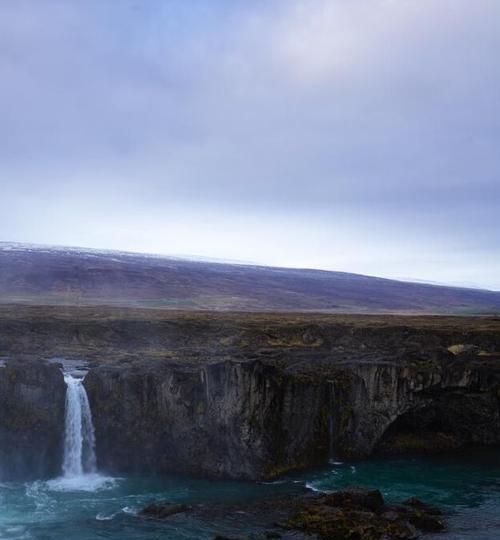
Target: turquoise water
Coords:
[[468, 488]]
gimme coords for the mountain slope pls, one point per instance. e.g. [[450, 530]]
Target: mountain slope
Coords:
[[57, 276]]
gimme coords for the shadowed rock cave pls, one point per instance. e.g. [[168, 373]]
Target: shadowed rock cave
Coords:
[[424, 430], [452, 421]]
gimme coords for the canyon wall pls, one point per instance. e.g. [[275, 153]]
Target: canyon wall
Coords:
[[32, 396], [251, 420], [255, 401], [228, 419]]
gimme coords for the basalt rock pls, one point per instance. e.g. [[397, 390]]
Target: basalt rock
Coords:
[[32, 395], [248, 396], [227, 419], [163, 510], [351, 513], [259, 418], [355, 497], [422, 405], [354, 513], [423, 507]]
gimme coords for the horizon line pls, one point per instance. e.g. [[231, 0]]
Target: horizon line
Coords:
[[215, 260]]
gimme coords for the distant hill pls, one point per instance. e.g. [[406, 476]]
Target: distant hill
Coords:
[[72, 276]]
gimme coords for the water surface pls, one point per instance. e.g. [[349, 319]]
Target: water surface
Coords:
[[96, 507]]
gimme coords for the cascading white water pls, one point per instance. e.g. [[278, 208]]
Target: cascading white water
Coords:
[[79, 438], [331, 421]]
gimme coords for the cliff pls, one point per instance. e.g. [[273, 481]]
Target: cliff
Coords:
[[32, 398], [255, 420], [228, 419], [253, 396]]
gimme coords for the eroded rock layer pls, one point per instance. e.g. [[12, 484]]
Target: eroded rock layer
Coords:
[[248, 396], [32, 398]]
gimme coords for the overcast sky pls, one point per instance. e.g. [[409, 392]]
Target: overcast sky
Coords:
[[354, 135]]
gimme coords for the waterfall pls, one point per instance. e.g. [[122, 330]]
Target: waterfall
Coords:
[[204, 372], [79, 438], [331, 420]]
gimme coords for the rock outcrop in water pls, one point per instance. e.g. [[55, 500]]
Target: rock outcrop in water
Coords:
[[32, 397], [362, 513], [254, 396], [352, 513]]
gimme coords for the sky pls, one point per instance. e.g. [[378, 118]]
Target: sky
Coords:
[[353, 135]]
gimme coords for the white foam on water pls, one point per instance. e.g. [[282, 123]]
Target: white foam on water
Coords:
[[274, 482], [43, 502], [312, 487], [130, 510], [104, 517], [79, 462], [18, 532], [84, 482]]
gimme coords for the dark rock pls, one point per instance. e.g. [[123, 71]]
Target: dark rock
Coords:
[[249, 395], [426, 522], [419, 505], [356, 497], [32, 396], [163, 510], [391, 515], [223, 419], [256, 419], [357, 514], [360, 513]]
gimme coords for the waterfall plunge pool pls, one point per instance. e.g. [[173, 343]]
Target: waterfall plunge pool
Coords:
[[85, 505], [466, 486]]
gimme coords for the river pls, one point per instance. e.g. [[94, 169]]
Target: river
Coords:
[[92, 506]]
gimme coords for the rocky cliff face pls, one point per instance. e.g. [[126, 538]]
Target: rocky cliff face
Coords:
[[32, 395], [252, 420], [227, 419], [418, 405], [248, 396]]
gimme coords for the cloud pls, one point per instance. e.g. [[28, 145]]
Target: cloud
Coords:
[[371, 123]]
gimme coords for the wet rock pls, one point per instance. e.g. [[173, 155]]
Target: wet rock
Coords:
[[163, 510], [362, 513], [425, 517], [353, 513], [420, 505], [356, 497], [426, 522]]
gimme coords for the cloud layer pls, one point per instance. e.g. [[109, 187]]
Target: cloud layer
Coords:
[[359, 136]]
